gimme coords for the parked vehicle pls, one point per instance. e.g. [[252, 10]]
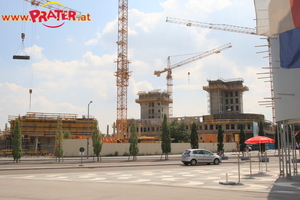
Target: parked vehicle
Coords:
[[194, 156]]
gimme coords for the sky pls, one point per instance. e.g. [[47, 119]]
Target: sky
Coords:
[[75, 63]]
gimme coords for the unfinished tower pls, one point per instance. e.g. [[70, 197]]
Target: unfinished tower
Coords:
[[154, 104], [225, 96]]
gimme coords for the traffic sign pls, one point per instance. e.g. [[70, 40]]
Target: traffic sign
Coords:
[[81, 149]]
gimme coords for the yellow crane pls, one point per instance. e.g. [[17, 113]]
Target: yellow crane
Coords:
[[122, 73], [184, 62], [236, 29]]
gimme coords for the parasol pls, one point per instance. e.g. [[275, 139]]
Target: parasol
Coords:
[[259, 140]]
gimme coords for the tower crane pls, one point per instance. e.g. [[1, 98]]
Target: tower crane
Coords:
[[184, 62], [122, 73], [221, 27], [236, 29]]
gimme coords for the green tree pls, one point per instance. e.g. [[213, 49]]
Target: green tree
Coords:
[[58, 152], [242, 135], [194, 137], [166, 139], [97, 141], [17, 149], [178, 132], [134, 148], [220, 139], [67, 134], [261, 132]]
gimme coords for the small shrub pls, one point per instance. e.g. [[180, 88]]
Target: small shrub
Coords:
[[126, 154]]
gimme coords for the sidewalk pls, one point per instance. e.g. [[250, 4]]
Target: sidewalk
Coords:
[[32, 163], [48, 162]]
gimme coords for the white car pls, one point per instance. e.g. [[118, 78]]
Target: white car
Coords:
[[194, 156]]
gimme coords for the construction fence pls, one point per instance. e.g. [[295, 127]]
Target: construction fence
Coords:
[[71, 148]]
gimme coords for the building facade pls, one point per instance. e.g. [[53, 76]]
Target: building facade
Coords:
[[154, 104], [225, 96]]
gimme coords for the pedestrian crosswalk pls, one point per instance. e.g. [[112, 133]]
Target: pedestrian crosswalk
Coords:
[[185, 176]]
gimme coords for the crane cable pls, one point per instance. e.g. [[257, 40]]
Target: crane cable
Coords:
[[23, 28], [23, 48], [33, 34], [32, 61]]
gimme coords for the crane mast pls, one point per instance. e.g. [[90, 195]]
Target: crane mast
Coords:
[[184, 62], [236, 29], [122, 73]]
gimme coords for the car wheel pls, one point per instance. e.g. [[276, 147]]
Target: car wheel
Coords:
[[186, 163], [216, 161], [193, 162]]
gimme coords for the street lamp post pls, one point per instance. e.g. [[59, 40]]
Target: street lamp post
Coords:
[[88, 132]]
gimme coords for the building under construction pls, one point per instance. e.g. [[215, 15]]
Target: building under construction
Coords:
[[226, 108], [39, 129], [225, 96], [154, 104]]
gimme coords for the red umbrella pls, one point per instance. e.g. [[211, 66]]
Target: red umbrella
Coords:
[[259, 139]]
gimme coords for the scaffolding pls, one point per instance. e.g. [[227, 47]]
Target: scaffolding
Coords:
[[232, 84], [153, 96], [38, 124]]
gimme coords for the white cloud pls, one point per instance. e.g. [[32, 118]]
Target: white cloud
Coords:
[[111, 27], [145, 21], [207, 6], [35, 52], [194, 9], [48, 106], [140, 86], [93, 41]]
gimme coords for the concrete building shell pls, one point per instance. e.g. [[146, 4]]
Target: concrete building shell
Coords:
[[154, 104]]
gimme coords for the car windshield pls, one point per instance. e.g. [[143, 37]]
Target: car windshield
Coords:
[[186, 152]]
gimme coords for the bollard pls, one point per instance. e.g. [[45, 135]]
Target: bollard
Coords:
[[239, 173], [226, 177], [250, 166]]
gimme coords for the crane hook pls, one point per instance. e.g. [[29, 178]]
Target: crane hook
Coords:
[[23, 36]]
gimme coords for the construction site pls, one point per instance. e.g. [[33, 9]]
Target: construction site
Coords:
[[225, 102], [39, 129], [226, 109]]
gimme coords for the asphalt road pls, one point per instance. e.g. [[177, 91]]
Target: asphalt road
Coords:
[[145, 180], [49, 190]]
